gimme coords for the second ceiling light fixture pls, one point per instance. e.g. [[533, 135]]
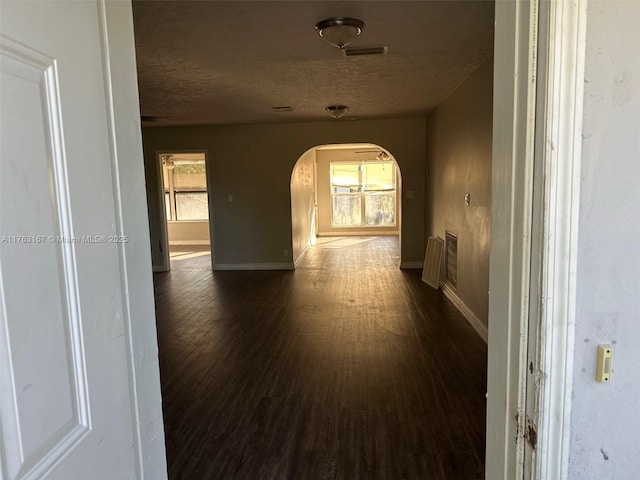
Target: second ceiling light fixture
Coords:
[[340, 31]]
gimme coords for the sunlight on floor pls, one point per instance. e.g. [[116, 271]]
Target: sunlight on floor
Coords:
[[175, 256], [341, 242]]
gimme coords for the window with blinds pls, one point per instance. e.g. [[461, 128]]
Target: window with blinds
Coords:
[[185, 190], [363, 194]]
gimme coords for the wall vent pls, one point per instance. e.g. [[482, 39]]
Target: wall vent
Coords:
[[432, 262], [359, 51], [451, 259]]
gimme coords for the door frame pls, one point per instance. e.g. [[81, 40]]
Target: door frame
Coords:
[[164, 235], [520, 79], [129, 193], [512, 196]]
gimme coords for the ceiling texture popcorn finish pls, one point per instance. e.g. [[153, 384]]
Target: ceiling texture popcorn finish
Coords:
[[230, 62]]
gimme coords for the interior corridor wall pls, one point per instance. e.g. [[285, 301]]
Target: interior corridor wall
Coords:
[[251, 198], [303, 205], [459, 134]]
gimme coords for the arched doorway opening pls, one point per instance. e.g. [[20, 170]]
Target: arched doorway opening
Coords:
[[345, 190]]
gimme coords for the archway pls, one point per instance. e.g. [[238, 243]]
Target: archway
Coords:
[[350, 189]]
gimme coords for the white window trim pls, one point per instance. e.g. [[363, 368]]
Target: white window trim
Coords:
[[363, 194]]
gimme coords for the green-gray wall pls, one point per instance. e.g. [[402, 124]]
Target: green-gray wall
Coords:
[[459, 161], [254, 164]]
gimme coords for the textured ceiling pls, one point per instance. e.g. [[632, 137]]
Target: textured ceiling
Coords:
[[226, 62]]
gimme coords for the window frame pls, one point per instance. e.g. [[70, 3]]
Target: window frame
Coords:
[[363, 193], [173, 191]]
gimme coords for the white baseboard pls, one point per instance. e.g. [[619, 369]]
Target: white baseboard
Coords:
[[302, 255], [411, 265], [471, 317], [190, 242], [254, 266]]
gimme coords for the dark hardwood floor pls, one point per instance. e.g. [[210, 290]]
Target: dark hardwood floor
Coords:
[[347, 368]]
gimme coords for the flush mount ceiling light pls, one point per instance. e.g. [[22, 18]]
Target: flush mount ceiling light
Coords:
[[382, 156], [340, 31], [337, 111]]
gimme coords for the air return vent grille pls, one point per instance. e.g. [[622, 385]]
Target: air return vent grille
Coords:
[[359, 51], [451, 259], [432, 262]]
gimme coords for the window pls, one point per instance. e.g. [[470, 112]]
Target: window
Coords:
[[363, 194], [185, 189]]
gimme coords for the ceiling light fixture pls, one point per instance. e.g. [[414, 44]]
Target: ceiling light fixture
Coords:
[[382, 156], [340, 31], [337, 111]]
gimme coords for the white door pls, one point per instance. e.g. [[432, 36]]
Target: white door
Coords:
[[71, 333]]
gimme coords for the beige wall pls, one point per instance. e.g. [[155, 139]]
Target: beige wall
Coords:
[[459, 161], [303, 205], [323, 159], [188, 233], [254, 163]]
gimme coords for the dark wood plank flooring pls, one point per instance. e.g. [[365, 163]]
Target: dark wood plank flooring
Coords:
[[347, 368]]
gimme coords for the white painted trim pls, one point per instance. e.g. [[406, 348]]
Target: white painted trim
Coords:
[[254, 266], [122, 256], [411, 265], [125, 143], [302, 255], [562, 156], [474, 321], [189, 242], [359, 233], [163, 240], [514, 108]]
